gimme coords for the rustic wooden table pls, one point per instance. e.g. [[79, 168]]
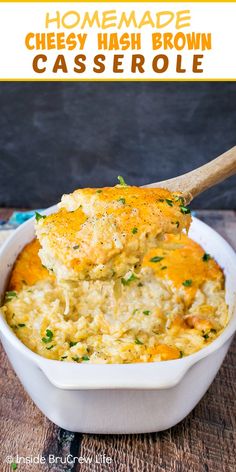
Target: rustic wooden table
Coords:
[[204, 442]]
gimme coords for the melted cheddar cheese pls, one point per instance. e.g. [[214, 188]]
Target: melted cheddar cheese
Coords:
[[102, 233], [181, 260], [28, 268]]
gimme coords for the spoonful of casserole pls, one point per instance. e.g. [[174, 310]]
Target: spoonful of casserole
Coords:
[[103, 233]]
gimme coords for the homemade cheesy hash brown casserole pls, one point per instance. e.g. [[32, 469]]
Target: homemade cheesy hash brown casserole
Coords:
[[170, 307], [102, 233]]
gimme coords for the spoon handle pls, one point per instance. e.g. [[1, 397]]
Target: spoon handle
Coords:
[[197, 181]]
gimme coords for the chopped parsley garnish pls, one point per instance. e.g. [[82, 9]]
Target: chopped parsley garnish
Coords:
[[156, 259], [122, 200], [181, 354], [187, 283], [163, 267], [50, 347], [85, 358], [49, 336], [76, 359], [76, 246], [39, 217], [206, 335], [63, 357], [122, 181], [99, 191], [177, 224], [137, 341], [131, 278], [10, 295], [206, 257], [21, 325], [185, 210], [146, 312], [134, 230], [179, 199], [169, 202], [161, 200], [73, 343]]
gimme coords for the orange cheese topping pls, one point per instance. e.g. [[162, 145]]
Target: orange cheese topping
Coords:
[[130, 205], [181, 260], [99, 232], [65, 226], [165, 352], [28, 269]]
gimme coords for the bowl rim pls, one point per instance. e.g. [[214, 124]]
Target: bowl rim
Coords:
[[175, 368]]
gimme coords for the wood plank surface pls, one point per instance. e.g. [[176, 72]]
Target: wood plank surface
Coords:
[[204, 442]]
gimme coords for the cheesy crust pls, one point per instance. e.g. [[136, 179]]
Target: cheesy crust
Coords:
[[28, 269], [103, 233]]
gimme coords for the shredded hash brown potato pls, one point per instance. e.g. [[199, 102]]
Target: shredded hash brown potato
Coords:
[[172, 307], [103, 233]]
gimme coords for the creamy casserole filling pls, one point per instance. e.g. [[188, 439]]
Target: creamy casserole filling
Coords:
[[172, 306]]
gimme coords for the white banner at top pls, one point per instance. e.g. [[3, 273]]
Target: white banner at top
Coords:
[[117, 41]]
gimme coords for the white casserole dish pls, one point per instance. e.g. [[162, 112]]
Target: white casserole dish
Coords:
[[130, 398]]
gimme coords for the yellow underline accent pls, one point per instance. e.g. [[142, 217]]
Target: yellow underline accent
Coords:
[[118, 1], [119, 80]]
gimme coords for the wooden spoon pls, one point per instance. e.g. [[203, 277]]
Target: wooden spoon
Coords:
[[197, 181]]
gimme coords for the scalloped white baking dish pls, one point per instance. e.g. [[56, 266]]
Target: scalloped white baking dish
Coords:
[[130, 398]]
